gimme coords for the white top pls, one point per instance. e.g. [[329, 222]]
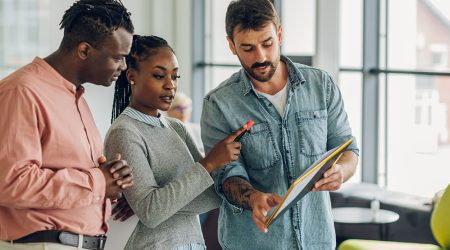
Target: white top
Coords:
[[279, 99]]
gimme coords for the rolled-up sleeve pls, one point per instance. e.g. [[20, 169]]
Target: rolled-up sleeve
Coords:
[[339, 130]]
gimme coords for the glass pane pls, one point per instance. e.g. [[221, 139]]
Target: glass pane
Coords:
[[18, 29], [420, 39], [299, 27], [351, 34], [418, 133], [217, 50], [350, 84], [216, 75]]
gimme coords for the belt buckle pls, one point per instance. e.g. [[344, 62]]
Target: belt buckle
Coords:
[[101, 241]]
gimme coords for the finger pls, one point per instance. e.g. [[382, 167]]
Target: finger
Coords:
[[273, 200], [125, 180], [127, 185], [332, 170], [331, 186], [116, 166], [121, 172], [259, 224], [235, 134], [101, 159]]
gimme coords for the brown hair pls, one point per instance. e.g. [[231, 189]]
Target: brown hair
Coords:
[[250, 14]]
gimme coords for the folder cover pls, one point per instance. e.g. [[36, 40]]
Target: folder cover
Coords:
[[306, 181]]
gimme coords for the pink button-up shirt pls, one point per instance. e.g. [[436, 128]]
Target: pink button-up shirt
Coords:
[[49, 146]]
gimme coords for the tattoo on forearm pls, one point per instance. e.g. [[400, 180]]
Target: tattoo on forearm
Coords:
[[238, 191]]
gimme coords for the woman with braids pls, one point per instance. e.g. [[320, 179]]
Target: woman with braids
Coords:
[[172, 182], [55, 185]]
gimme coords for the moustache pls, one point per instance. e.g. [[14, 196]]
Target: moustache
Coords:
[[263, 64]]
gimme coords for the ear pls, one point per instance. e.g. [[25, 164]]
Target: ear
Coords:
[[131, 76], [280, 35], [231, 45], [83, 51]]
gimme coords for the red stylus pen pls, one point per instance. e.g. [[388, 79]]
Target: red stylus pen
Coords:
[[249, 124]]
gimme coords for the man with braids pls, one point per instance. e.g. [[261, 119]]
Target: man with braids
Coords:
[[172, 181], [55, 184], [298, 113]]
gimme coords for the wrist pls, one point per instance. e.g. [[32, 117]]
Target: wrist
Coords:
[[207, 165], [252, 198]]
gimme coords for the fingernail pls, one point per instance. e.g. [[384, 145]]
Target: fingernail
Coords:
[[265, 213]]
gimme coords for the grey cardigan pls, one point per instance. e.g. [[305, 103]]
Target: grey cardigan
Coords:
[[170, 188]]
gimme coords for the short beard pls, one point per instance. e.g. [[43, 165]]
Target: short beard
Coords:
[[264, 78]]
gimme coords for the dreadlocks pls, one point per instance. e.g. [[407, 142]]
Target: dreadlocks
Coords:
[[92, 21], [142, 48]]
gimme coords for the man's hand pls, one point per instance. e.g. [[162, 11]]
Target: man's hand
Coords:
[[332, 179], [261, 203], [122, 210], [117, 175], [339, 173]]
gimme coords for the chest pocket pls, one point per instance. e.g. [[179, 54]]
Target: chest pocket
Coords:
[[258, 148], [313, 131]]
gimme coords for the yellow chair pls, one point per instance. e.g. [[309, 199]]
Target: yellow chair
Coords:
[[440, 226]]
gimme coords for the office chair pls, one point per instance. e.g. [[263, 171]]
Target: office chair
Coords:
[[440, 226]]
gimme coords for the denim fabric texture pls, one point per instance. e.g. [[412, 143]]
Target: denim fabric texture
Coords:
[[275, 152]]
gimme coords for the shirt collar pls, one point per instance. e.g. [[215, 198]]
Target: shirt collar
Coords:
[[58, 79], [159, 121], [295, 77]]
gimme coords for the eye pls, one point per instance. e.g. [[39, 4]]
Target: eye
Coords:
[[118, 58], [267, 44], [247, 48], [175, 77], [158, 76]]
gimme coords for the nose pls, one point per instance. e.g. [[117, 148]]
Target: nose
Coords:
[[260, 54], [123, 65], [169, 83]]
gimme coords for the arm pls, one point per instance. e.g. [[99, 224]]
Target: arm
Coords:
[[154, 204], [241, 193], [208, 200], [232, 182], [338, 131], [24, 181]]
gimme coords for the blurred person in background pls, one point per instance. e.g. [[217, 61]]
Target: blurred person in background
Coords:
[[181, 109]]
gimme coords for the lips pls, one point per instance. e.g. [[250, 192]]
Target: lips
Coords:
[[167, 98]]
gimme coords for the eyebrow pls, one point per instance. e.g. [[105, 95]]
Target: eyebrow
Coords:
[[247, 44], [163, 68]]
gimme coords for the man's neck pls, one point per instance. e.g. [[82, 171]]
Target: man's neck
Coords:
[[61, 62], [274, 85]]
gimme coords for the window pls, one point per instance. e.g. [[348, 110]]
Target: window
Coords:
[[417, 105], [350, 60]]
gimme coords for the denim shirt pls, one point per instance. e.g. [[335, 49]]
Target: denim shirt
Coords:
[[275, 152]]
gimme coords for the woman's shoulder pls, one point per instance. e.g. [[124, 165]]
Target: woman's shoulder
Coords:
[[124, 125]]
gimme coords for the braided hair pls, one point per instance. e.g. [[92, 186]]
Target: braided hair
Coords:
[[92, 21], [142, 48]]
